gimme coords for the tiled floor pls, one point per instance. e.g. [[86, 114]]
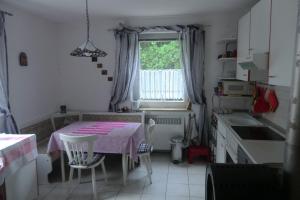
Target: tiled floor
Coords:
[[169, 181]]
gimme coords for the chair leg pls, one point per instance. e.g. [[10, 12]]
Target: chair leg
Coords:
[[145, 160], [94, 183], [129, 163], [104, 171], [150, 163], [132, 164], [71, 175], [124, 167], [79, 175]]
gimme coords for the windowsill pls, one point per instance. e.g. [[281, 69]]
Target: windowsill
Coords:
[[164, 109]]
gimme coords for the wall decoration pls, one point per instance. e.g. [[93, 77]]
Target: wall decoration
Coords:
[[23, 59], [94, 59], [104, 72], [110, 78], [99, 65]]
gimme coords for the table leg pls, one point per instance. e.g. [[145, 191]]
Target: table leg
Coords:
[[62, 165], [124, 167]]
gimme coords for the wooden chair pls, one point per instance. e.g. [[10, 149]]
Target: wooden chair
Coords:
[[81, 156], [145, 149]]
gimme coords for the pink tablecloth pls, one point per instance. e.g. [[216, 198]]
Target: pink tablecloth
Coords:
[[15, 151], [113, 137]]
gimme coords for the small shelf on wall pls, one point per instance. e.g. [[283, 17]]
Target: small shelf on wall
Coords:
[[230, 59], [227, 40], [226, 78]]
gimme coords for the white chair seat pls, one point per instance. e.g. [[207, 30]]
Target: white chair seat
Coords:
[[145, 148]]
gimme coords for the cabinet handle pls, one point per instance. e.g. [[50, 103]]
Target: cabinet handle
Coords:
[[272, 76], [244, 74]]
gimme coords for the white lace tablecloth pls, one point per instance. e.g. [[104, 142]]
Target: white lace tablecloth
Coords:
[[16, 150]]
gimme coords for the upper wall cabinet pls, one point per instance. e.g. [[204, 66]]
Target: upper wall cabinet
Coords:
[[253, 42], [283, 37], [243, 45], [260, 27]]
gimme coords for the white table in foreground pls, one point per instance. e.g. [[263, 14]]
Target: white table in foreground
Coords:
[[18, 155]]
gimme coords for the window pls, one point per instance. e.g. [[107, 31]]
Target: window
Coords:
[[161, 73]]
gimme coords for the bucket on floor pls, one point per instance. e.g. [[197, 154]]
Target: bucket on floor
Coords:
[[176, 148]]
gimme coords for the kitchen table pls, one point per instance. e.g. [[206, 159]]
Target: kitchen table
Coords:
[[112, 137]]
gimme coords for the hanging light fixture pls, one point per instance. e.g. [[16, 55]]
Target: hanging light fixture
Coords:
[[88, 49]]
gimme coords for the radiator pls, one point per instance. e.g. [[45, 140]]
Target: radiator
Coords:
[[166, 127]]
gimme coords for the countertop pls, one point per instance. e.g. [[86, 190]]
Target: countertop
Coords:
[[259, 151]]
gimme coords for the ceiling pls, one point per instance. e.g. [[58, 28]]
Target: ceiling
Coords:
[[61, 10]]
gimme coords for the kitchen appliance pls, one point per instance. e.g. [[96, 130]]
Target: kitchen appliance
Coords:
[[242, 182], [235, 87]]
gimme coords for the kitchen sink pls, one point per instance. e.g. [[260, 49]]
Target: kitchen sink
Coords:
[[257, 133]]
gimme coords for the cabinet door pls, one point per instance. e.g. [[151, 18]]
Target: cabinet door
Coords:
[[283, 39], [243, 45], [221, 151], [260, 27]]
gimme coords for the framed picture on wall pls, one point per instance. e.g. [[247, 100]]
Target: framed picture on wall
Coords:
[[23, 60]]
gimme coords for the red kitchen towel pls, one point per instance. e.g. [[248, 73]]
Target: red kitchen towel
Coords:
[[273, 101], [260, 104]]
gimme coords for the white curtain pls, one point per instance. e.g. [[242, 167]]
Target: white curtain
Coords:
[[9, 123]]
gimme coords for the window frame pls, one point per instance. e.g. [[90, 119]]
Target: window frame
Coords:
[[144, 103]]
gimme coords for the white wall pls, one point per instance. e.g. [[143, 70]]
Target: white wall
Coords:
[[84, 88], [33, 89], [53, 77]]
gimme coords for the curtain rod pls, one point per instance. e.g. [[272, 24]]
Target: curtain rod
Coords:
[[122, 25], [6, 13]]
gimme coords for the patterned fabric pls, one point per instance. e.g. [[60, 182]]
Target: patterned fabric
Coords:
[[15, 152], [145, 148], [96, 158], [120, 140]]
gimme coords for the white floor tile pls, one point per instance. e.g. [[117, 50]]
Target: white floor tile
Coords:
[[169, 182], [155, 189], [107, 195], [153, 197], [197, 179], [128, 196], [197, 169], [197, 191], [178, 189], [44, 190], [178, 178], [58, 194], [133, 188], [178, 168], [177, 197]]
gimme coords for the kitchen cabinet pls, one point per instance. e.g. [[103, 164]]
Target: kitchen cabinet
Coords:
[[243, 45], [282, 42], [260, 27], [221, 143], [253, 39], [221, 148]]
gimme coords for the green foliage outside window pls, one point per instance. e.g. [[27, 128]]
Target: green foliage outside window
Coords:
[[160, 55]]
